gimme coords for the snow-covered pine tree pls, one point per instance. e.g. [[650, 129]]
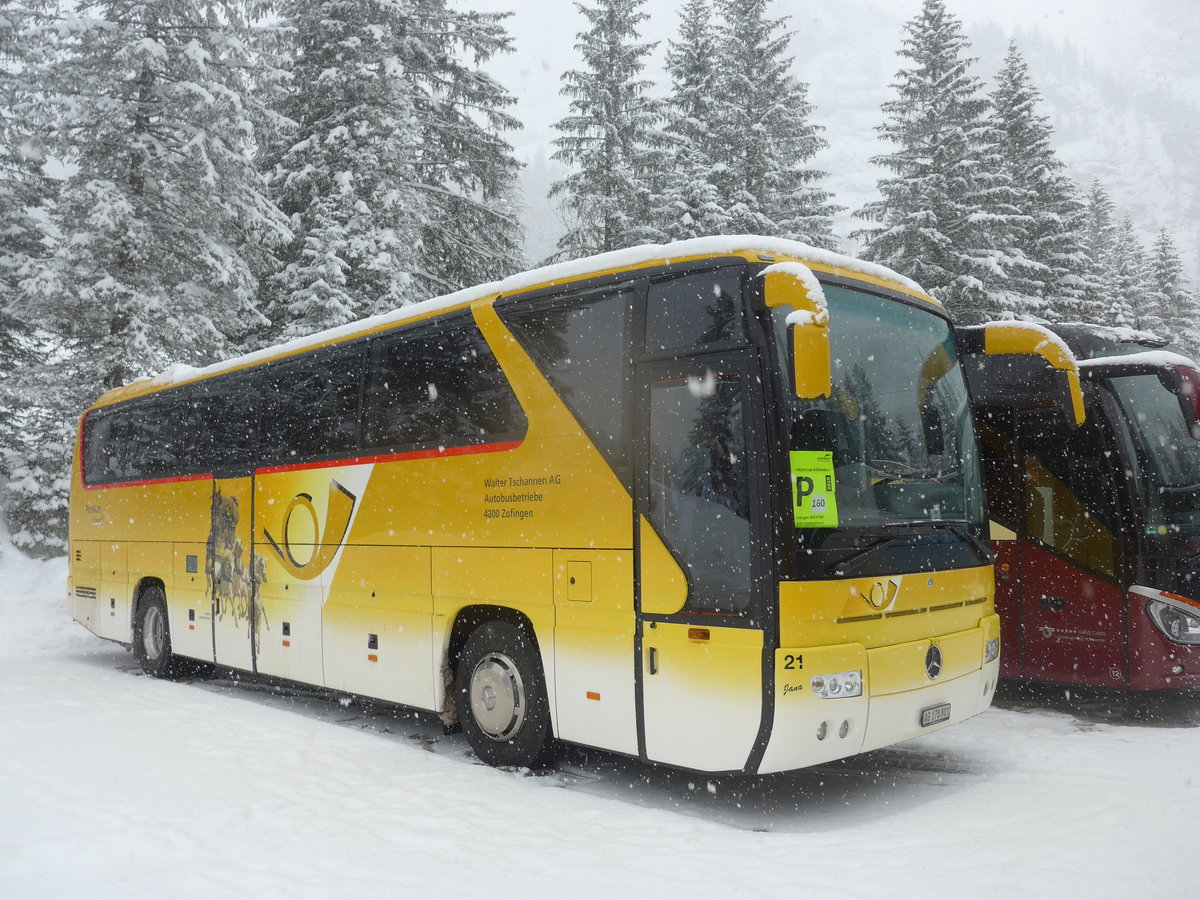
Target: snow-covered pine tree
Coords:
[[37, 490], [1173, 304], [608, 140], [686, 203], [24, 188], [344, 172], [944, 217], [1099, 237], [16, 357], [691, 62], [394, 173], [765, 139], [165, 221], [161, 229], [1048, 231], [466, 169], [1129, 282]]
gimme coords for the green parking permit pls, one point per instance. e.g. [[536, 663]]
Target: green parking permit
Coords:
[[814, 489]]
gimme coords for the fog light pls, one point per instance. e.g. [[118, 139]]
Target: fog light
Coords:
[[1176, 669], [845, 729], [991, 650], [837, 684], [822, 731]]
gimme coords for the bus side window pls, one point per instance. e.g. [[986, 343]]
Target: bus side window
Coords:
[[438, 388], [699, 488], [168, 433], [695, 311], [151, 444], [229, 418], [582, 347], [1002, 475], [1070, 500], [105, 446], [310, 407]]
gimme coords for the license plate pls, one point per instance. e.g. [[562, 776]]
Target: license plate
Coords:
[[935, 714]]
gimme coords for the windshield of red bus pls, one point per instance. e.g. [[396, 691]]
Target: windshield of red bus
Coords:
[[1167, 457], [893, 446]]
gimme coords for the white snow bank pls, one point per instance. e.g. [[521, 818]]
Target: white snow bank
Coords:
[[114, 785], [552, 274], [34, 619]]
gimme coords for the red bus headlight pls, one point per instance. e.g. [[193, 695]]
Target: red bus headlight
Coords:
[[1177, 625]]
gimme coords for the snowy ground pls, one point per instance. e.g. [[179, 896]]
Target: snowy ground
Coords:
[[116, 785]]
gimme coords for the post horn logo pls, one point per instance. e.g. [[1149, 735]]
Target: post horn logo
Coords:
[[882, 595], [337, 523]]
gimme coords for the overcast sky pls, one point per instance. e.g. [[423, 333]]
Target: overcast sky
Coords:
[[1152, 39]]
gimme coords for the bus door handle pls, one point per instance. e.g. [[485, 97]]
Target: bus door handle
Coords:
[[653, 661], [1054, 604]]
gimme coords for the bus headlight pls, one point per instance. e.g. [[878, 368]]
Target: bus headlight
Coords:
[[991, 650], [837, 684], [1180, 626]]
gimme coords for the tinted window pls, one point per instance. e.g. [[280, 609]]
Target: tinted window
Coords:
[[438, 387], [105, 446], [1002, 474], [163, 430], [583, 350], [1070, 493], [310, 407], [230, 413], [695, 311], [700, 486]]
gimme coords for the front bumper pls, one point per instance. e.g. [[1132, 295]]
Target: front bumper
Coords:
[[897, 689]]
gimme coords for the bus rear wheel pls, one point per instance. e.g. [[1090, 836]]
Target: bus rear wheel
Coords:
[[501, 695], [152, 634]]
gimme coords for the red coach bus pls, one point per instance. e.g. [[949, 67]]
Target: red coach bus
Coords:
[[1092, 474]]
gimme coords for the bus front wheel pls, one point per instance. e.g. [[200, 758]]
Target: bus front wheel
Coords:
[[152, 634], [501, 695]]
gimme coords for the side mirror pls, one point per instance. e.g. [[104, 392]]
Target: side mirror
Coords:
[[793, 284], [1022, 365], [1184, 383]]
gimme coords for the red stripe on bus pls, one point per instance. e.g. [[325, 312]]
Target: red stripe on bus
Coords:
[[469, 450], [175, 480]]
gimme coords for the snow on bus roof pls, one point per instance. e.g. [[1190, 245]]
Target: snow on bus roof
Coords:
[[1121, 333], [1157, 358], [545, 275]]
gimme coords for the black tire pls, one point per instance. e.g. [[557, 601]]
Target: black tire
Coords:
[[152, 634], [501, 696]]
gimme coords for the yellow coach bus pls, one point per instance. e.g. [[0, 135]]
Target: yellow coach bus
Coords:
[[714, 504]]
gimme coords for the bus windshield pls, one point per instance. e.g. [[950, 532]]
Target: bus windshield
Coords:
[[895, 442], [1167, 463]]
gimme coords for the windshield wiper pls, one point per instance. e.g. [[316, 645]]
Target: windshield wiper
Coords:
[[903, 473], [962, 528], [879, 543]]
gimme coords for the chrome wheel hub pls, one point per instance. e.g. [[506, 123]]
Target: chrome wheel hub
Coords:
[[497, 696], [154, 633]]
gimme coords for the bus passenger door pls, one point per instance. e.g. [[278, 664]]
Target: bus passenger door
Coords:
[[699, 516], [1072, 607], [230, 567]]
